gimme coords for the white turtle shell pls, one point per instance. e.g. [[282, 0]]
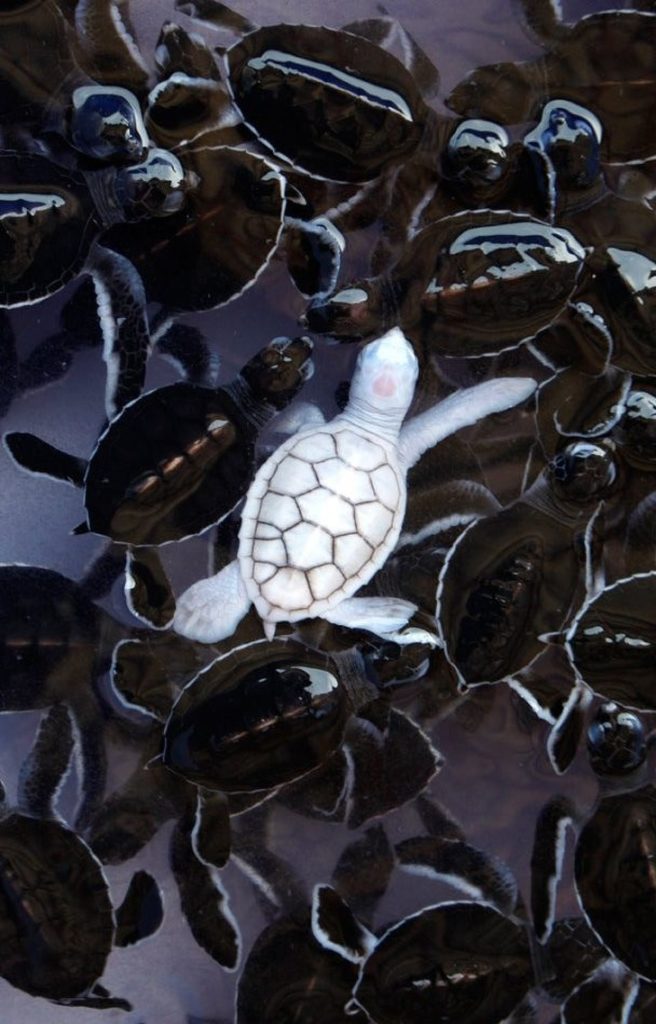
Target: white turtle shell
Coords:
[[321, 517]]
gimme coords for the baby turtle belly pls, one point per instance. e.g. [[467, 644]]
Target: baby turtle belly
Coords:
[[319, 522]]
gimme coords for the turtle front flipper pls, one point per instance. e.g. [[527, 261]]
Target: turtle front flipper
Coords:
[[211, 609], [122, 312], [314, 255], [461, 865], [214, 13], [105, 48], [147, 588], [546, 862], [607, 995], [210, 837], [363, 872], [502, 92], [9, 373], [36, 456], [459, 410], [184, 345], [203, 899], [47, 764]]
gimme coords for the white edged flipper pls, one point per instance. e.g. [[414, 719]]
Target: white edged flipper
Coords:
[[461, 409], [211, 609], [381, 615]]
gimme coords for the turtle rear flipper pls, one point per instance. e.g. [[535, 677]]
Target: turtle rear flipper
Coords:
[[141, 912], [211, 609], [37, 456], [98, 999], [381, 615]]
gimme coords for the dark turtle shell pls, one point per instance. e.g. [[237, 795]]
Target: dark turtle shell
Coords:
[[179, 458], [331, 102], [56, 918], [489, 281], [48, 630], [509, 580], [211, 251], [257, 718], [612, 642], [289, 976], [468, 285], [35, 58], [605, 61], [453, 963], [613, 868], [47, 226]]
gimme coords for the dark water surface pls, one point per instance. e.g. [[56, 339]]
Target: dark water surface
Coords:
[[496, 774]]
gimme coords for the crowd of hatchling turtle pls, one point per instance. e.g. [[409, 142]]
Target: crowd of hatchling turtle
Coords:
[[338, 651]]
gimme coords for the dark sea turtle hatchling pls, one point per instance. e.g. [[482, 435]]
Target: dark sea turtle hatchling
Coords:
[[326, 509], [605, 61], [515, 577], [216, 246], [51, 220], [254, 719], [57, 923], [55, 645], [258, 718], [614, 848], [329, 101], [472, 284], [178, 459]]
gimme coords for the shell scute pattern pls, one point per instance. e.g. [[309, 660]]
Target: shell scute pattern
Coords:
[[333, 474], [322, 505], [358, 452], [308, 546], [294, 477], [316, 521]]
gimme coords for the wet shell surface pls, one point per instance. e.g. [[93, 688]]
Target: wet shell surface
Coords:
[[321, 517], [333, 103]]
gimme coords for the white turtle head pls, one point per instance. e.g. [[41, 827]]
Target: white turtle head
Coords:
[[384, 382]]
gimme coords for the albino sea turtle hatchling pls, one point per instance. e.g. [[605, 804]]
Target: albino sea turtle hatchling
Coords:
[[325, 510]]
